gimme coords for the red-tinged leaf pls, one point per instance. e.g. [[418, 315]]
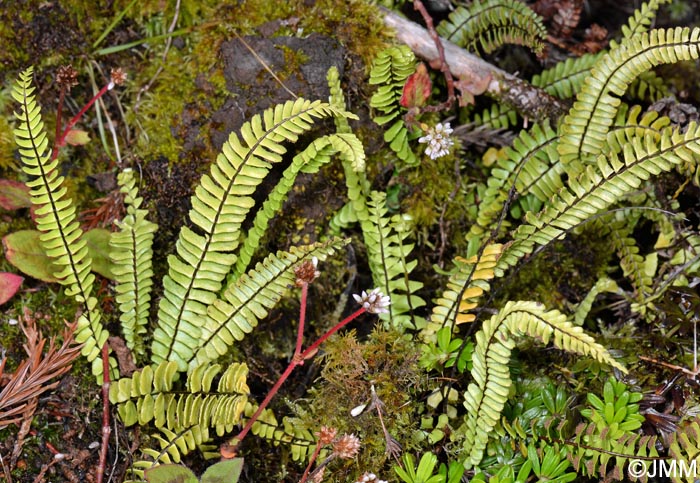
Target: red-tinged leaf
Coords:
[[14, 195], [77, 137], [417, 88], [23, 250], [9, 285]]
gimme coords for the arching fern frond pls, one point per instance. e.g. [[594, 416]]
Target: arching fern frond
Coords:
[[131, 254], [604, 284], [61, 236], [219, 206], [487, 395], [596, 189], [248, 300], [533, 153], [388, 260], [490, 24], [389, 71], [584, 130], [316, 154]]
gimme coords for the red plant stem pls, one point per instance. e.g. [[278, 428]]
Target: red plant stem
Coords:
[[59, 113], [297, 360], [302, 316], [61, 141], [312, 349], [418, 5], [317, 450], [106, 429]]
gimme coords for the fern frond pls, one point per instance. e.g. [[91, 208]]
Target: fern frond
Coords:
[[337, 100], [149, 395], [388, 252], [486, 396], [685, 447], [492, 23], [61, 236], [219, 206], [316, 154], [628, 126], [565, 79], [596, 189], [532, 157], [640, 20], [464, 287], [173, 446], [585, 128], [131, 254], [300, 440], [249, 299], [604, 284], [592, 452], [390, 70]]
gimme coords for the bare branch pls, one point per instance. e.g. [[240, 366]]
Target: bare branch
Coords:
[[531, 102]]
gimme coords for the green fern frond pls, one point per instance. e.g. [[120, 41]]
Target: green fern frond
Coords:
[[388, 252], [300, 440], [318, 153], [173, 446], [487, 395], [532, 158], [498, 116], [248, 300], [492, 23], [61, 236], [566, 78], [604, 284], [337, 100], [131, 254], [640, 21], [390, 70], [464, 287], [219, 206], [599, 187], [634, 266], [628, 126], [585, 128], [149, 395]]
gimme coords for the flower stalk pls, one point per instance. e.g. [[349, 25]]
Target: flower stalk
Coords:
[[374, 302]]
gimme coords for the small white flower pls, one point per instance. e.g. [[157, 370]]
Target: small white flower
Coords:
[[438, 140], [374, 302]]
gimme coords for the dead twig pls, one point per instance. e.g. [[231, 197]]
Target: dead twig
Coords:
[[477, 75], [106, 429], [444, 68]]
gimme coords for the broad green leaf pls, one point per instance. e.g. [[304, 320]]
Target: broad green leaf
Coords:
[[14, 195], [170, 474], [23, 250], [228, 471]]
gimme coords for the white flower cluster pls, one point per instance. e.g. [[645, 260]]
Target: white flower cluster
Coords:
[[374, 302], [438, 140], [370, 478]]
